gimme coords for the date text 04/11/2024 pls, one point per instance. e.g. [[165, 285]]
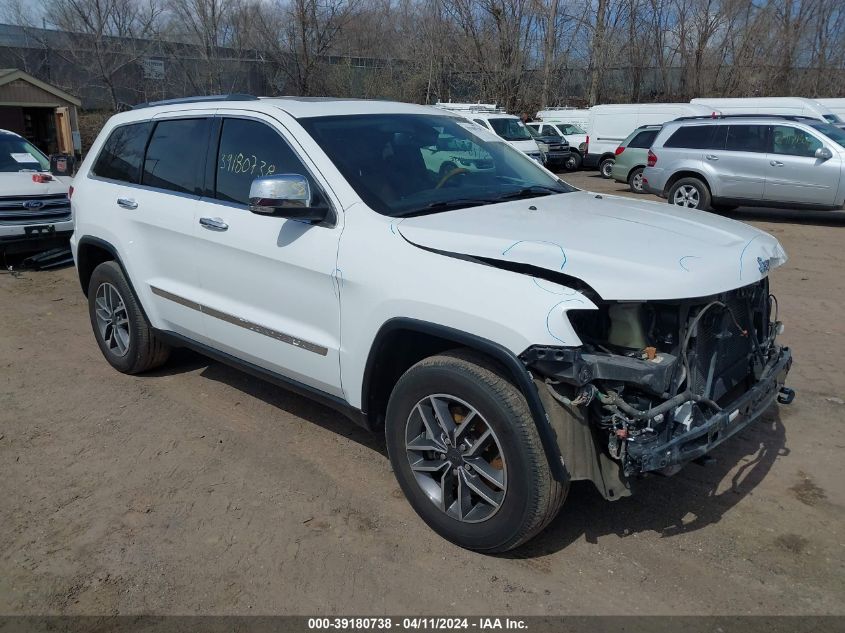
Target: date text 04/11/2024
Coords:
[[417, 623]]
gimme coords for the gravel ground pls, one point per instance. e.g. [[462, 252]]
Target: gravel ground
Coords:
[[198, 489]]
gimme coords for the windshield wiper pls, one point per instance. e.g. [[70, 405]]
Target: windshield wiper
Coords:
[[446, 205], [534, 191]]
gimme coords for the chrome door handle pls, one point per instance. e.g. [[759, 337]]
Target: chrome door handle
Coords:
[[127, 203], [711, 157], [775, 163], [214, 224]]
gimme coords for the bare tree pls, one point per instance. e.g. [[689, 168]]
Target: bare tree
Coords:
[[299, 34]]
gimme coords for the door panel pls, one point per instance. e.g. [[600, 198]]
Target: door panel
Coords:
[[741, 163], [795, 174], [154, 226], [269, 286]]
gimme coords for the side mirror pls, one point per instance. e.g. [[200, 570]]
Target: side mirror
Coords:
[[284, 196], [824, 153]]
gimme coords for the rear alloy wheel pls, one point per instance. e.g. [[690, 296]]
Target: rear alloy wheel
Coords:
[[121, 330], [689, 193], [635, 180], [606, 167], [467, 455]]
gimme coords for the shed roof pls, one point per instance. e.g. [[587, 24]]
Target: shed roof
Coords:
[[8, 75]]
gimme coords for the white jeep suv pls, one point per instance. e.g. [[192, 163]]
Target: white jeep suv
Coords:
[[507, 333]]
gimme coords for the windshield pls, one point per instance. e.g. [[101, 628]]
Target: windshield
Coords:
[[569, 128], [18, 154], [835, 134], [510, 129], [832, 118], [407, 164]]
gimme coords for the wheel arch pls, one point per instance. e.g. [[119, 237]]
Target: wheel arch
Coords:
[[631, 171], [402, 342], [687, 173], [91, 252]]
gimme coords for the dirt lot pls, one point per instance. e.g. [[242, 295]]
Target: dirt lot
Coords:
[[198, 489]]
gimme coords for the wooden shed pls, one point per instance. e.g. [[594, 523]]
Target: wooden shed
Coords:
[[43, 114]]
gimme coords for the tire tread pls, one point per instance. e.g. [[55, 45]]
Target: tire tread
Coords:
[[550, 494]]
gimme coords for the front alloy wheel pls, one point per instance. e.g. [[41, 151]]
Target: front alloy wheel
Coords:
[[456, 458], [466, 453]]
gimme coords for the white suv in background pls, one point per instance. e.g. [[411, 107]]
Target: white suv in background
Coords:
[[507, 333], [34, 205], [504, 125]]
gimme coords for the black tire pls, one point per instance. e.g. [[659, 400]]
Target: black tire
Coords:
[[144, 350], [532, 497], [635, 180], [606, 167], [702, 193], [572, 162]]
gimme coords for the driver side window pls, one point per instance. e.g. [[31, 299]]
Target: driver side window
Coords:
[[794, 142], [247, 150]]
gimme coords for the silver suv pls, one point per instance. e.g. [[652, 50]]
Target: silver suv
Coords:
[[762, 160]]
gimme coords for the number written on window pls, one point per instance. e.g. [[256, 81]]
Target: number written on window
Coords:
[[251, 164], [250, 150]]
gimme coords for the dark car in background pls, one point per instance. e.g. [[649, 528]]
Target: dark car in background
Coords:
[[555, 148]]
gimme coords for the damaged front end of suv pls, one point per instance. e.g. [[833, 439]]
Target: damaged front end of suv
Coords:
[[657, 384]]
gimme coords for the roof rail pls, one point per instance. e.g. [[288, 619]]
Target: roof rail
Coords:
[[198, 99], [468, 107], [717, 115]]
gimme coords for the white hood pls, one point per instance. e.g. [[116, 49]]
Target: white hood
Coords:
[[623, 249], [528, 145], [21, 184], [575, 140]]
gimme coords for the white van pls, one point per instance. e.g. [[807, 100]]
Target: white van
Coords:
[[502, 124], [575, 116], [609, 125], [836, 106], [797, 106]]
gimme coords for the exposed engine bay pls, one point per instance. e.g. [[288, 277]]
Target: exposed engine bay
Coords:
[[660, 383]]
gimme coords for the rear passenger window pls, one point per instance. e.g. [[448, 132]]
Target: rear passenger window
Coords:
[[643, 140], [746, 138], [794, 142], [249, 149], [692, 137], [176, 154], [122, 154]]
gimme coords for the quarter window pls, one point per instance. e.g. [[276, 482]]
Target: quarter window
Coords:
[[692, 137], [643, 140], [123, 152], [746, 138], [794, 142], [249, 150], [175, 155]]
